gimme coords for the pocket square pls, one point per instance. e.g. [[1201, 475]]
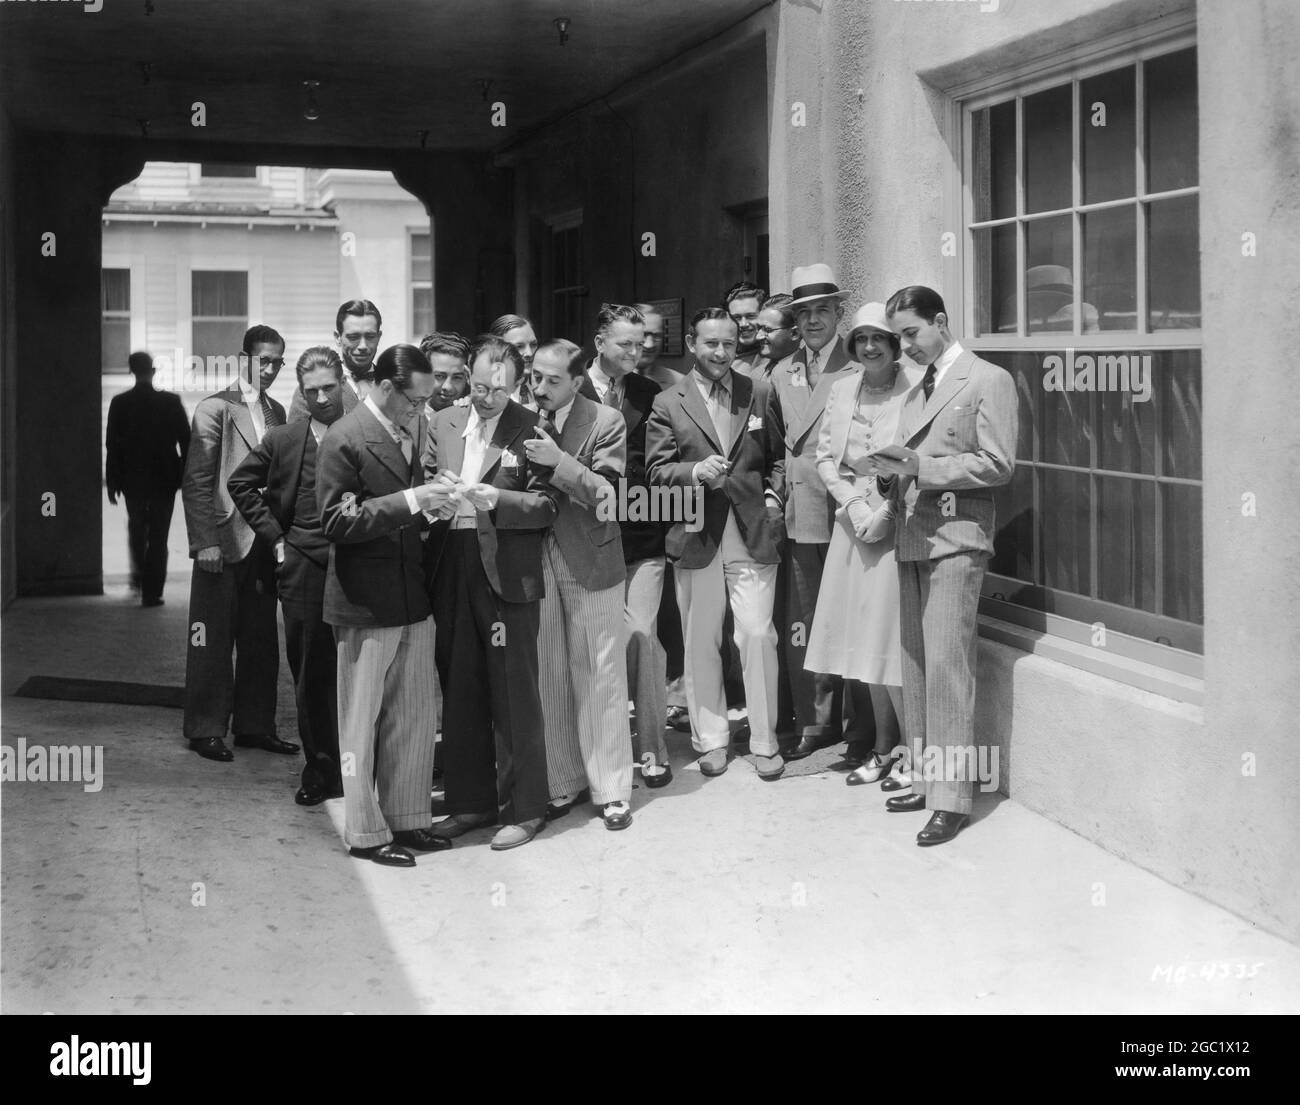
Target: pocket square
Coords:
[[755, 422], [509, 460]]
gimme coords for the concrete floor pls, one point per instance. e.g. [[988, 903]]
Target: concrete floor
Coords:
[[725, 895]]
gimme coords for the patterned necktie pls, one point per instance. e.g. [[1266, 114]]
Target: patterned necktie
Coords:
[[612, 396], [549, 426], [720, 400], [812, 368], [269, 415], [927, 385]]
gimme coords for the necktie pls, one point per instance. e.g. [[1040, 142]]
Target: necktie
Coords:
[[812, 368], [612, 397], [549, 426], [268, 412], [720, 402], [927, 384], [408, 446]]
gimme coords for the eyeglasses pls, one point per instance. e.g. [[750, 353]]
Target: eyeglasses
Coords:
[[479, 391], [423, 401], [271, 362], [773, 329]]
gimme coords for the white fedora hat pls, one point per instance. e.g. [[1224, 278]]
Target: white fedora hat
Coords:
[[814, 281]]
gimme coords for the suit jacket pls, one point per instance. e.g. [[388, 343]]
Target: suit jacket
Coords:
[[510, 535], [966, 438], [223, 436], [794, 415], [679, 435], [298, 411], [645, 539], [594, 440], [147, 438], [265, 491], [376, 575]]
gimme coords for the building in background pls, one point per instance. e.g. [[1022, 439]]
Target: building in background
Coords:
[[195, 253]]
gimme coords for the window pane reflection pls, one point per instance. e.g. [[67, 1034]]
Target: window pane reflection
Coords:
[[1065, 529], [1174, 264], [1126, 546], [1106, 125], [1049, 280], [993, 133], [1048, 138], [1170, 92], [1110, 269], [1183, 585], [1178, 391], [995, 280]]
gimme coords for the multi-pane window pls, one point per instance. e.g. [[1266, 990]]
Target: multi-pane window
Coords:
[[1083, 282], [421, 285], [219, 310], [115, 327]]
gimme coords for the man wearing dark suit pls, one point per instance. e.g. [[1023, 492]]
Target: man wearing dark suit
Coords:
[[956, 443], [275, 490], [613, 380], [582, 646], [743, 301], [147, 438], [232, 591], [800, 386], [706, 433], [373, 507], [358, 327], [487, 585]]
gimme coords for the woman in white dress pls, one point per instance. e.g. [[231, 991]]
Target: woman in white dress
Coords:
[[855, 631]]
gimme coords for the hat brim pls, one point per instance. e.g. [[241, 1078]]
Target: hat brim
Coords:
[[819, 295]]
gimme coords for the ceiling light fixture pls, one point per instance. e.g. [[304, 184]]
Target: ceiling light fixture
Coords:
[[311, 112], [562, 25]]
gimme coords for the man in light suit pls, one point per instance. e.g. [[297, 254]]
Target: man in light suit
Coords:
[[956, 443], [486, 564], [800, 386], [706, 432], [582, 648], [358, 327], [275, 491], [373, 507], [232, 591]]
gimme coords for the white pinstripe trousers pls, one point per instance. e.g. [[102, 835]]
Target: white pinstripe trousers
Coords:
[[582, 677], [387, 711], [938, 606]]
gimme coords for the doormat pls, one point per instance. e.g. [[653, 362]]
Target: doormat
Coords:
[[101, 690]]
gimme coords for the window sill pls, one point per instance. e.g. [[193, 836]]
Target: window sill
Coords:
[[1127, 670]]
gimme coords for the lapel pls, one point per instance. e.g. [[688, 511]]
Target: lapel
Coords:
[[451, 453], [815, 403], [581, 417], [742, 408], [693, 405], [382, 446], [507, 430], [296, 454], [241, 416], [919, 413], [841, 414]]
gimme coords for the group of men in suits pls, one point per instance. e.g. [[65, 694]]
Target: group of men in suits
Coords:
[[414, 517]]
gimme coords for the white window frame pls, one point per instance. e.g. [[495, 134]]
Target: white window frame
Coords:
[[214, 262], [412, 285], [135, 263], [1161, 669]]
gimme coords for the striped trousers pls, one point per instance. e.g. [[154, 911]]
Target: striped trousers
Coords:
[[582, 677], [938, 605], [387, 707]]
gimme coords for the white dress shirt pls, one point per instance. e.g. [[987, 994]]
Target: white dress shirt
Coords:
[[945, 361], [253, 401], [477, 434], [396, 435], [603, 382]]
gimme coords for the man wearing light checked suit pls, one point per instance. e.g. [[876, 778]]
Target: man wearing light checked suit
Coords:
[[582, 645], [956, 443]]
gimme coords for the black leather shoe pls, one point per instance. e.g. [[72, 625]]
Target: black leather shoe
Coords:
[[808, 745], [309, 796], [659, 778], [679, 719], [561, 806], [386, 855], [212, 748], [905, 803], [942, 827], [267, 743], [421, 840]]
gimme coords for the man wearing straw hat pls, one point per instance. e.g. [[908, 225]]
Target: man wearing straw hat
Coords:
[[800, 387]]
